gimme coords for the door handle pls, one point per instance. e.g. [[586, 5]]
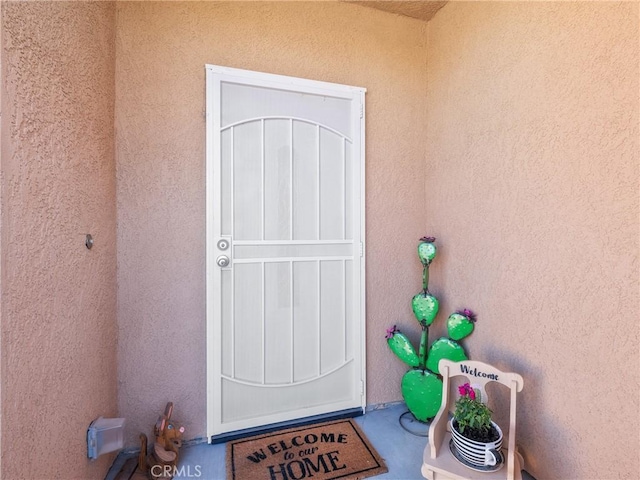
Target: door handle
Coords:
[[222, 261]]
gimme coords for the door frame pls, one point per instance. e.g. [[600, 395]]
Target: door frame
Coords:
[[214, 75]]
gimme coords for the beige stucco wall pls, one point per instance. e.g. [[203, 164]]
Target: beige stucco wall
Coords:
[[532, 185], [162, 49], [516, 144], [58, 182]]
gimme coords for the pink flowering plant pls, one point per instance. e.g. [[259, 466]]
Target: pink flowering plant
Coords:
[[471, 413]]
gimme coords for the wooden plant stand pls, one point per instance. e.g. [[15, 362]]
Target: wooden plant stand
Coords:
[[438, 461]]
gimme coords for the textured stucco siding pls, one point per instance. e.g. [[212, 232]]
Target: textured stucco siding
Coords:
[[161, 51], [532, 185], [58, 183]]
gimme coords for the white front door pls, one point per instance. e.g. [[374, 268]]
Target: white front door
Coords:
[[285, 263]]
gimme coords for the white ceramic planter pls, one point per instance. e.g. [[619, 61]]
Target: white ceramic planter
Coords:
[[478, 454]]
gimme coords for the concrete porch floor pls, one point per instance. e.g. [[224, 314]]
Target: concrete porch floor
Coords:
[[401, 451]]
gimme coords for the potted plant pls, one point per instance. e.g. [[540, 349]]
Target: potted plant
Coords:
[[476, 438]]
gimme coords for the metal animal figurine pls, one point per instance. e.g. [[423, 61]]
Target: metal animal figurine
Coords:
[[161, 462]]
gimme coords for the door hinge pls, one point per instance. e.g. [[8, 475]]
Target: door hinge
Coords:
[[361, 387], [361, 249], [361, 110]]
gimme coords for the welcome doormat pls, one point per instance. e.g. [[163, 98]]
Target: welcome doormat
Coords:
[[324, 451]]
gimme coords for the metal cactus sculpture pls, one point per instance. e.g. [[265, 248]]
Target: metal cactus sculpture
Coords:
[[422, 385]]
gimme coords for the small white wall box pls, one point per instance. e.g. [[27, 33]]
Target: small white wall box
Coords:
[[105, 435]]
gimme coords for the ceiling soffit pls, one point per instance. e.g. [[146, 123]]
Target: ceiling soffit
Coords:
[[422, 10]]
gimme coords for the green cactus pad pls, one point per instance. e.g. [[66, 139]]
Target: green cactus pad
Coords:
[[459, 326], [426, 252], [425, 307], [444, 348], [400, 345], [422, 392]]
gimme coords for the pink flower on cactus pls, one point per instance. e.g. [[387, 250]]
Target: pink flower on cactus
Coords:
[[428, 239], [467, 313], [391, 332]]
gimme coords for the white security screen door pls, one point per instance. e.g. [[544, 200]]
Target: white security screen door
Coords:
[[285, 263]]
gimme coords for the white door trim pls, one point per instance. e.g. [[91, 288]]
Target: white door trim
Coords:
[[214, 74]]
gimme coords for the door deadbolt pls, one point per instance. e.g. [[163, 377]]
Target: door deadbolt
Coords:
[[223, 244], [222, 261]]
